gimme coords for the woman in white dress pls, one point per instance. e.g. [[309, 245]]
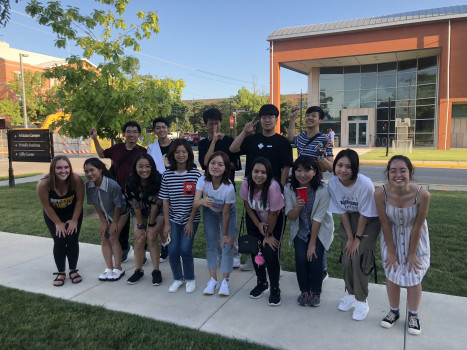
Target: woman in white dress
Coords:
[[405, 247]]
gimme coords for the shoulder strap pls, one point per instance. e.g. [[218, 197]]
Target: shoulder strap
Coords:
[[385, 196], [418, 192], [311, 140], [128, 155]]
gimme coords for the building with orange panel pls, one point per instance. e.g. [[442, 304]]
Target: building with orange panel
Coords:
[[383, 72]]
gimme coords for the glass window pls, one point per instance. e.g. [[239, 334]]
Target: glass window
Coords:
[[357, 117], [352, 99], [425, 112], [384, 94], [425, 101], [427, 62], [406, 93], [406, 111], [352, 71], [369, 69], [386, 81], [331, 85], [427, 77], [424, 139], [426, 91], [333, 115], [333, 100], [382, 114], [367, 96], [424, 125], [459, 111], [406, 79], [387, 68], [369, 82], [367, 104], [351, 83], [408, 65], [382, 127]]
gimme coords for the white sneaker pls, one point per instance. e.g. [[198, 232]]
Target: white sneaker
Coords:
[[190, 286], [361, 310], [347, 303], [236, 262], [116, 274], [175, 285], [281, 272], [210, 287], [248, 265], [103, 276], [224, 289]]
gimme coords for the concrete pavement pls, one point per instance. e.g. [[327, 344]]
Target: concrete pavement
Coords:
[[28, 264]]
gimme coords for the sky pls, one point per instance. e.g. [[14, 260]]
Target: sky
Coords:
[[216, 47]]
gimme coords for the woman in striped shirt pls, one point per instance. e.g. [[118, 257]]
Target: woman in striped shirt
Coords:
[[405, 247], [177, 194]]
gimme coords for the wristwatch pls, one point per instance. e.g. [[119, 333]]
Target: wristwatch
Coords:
[[269, 234], [151, 225], [141, 226]]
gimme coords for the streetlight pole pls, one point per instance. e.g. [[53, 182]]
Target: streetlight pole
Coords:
[[21, 55]]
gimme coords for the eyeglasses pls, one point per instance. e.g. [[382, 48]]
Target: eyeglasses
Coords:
[[268, 117]]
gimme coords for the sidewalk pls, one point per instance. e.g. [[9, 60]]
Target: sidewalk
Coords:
[[28, 264]]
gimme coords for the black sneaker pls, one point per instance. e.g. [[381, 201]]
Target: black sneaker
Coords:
[[275, 297], [135, 277], [164, 253], [315, 300], [156, 278], [414, 325], [390, 319], [303, 299], [259, 290]]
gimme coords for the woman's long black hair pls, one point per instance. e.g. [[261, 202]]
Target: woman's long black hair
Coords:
[[153, 182], [99, 164], [267, 183], [307, 163]]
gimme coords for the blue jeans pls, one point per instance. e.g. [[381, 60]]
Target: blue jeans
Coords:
[[181, 246], [213, 231], [309, 273]]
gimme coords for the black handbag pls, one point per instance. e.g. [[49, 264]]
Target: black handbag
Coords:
[[247, 244]]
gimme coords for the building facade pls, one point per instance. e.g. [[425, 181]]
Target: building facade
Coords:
[[375, 76]]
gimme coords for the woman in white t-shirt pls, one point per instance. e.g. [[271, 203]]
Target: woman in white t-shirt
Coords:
[[264, 204], [216, 194], [352, 196]]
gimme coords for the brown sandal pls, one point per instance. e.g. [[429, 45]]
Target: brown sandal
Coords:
[[60, 280], [75, 277]]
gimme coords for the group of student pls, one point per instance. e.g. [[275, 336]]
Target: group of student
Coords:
[[163, 190]]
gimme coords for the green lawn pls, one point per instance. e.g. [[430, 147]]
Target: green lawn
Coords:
[[40, 319], [455, 155]]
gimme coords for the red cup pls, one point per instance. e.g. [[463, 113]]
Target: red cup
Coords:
[[303, 193]]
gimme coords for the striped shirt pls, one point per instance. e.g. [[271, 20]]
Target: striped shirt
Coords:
[[179, 189], [313, 148]]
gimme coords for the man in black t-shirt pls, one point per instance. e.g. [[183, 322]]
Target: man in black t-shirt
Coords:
[[266, 144], [216, 141]]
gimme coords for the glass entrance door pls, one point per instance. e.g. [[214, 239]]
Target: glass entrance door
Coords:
[[358, 135]]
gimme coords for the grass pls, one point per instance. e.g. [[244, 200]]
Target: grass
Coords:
[[454, 155], [43, 322], [57, 324], [2, 178]]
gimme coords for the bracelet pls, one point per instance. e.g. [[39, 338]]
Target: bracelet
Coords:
[[141, 226], [359, 237], [151, 225]]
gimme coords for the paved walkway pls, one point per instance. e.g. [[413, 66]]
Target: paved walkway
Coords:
[[28, 264]]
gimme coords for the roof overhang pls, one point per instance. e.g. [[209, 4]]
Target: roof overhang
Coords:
[[305, 66]]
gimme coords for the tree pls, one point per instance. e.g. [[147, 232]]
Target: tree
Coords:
[[40, 101], [251, 100], [109, 95], [12, 109], [5, 11]]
